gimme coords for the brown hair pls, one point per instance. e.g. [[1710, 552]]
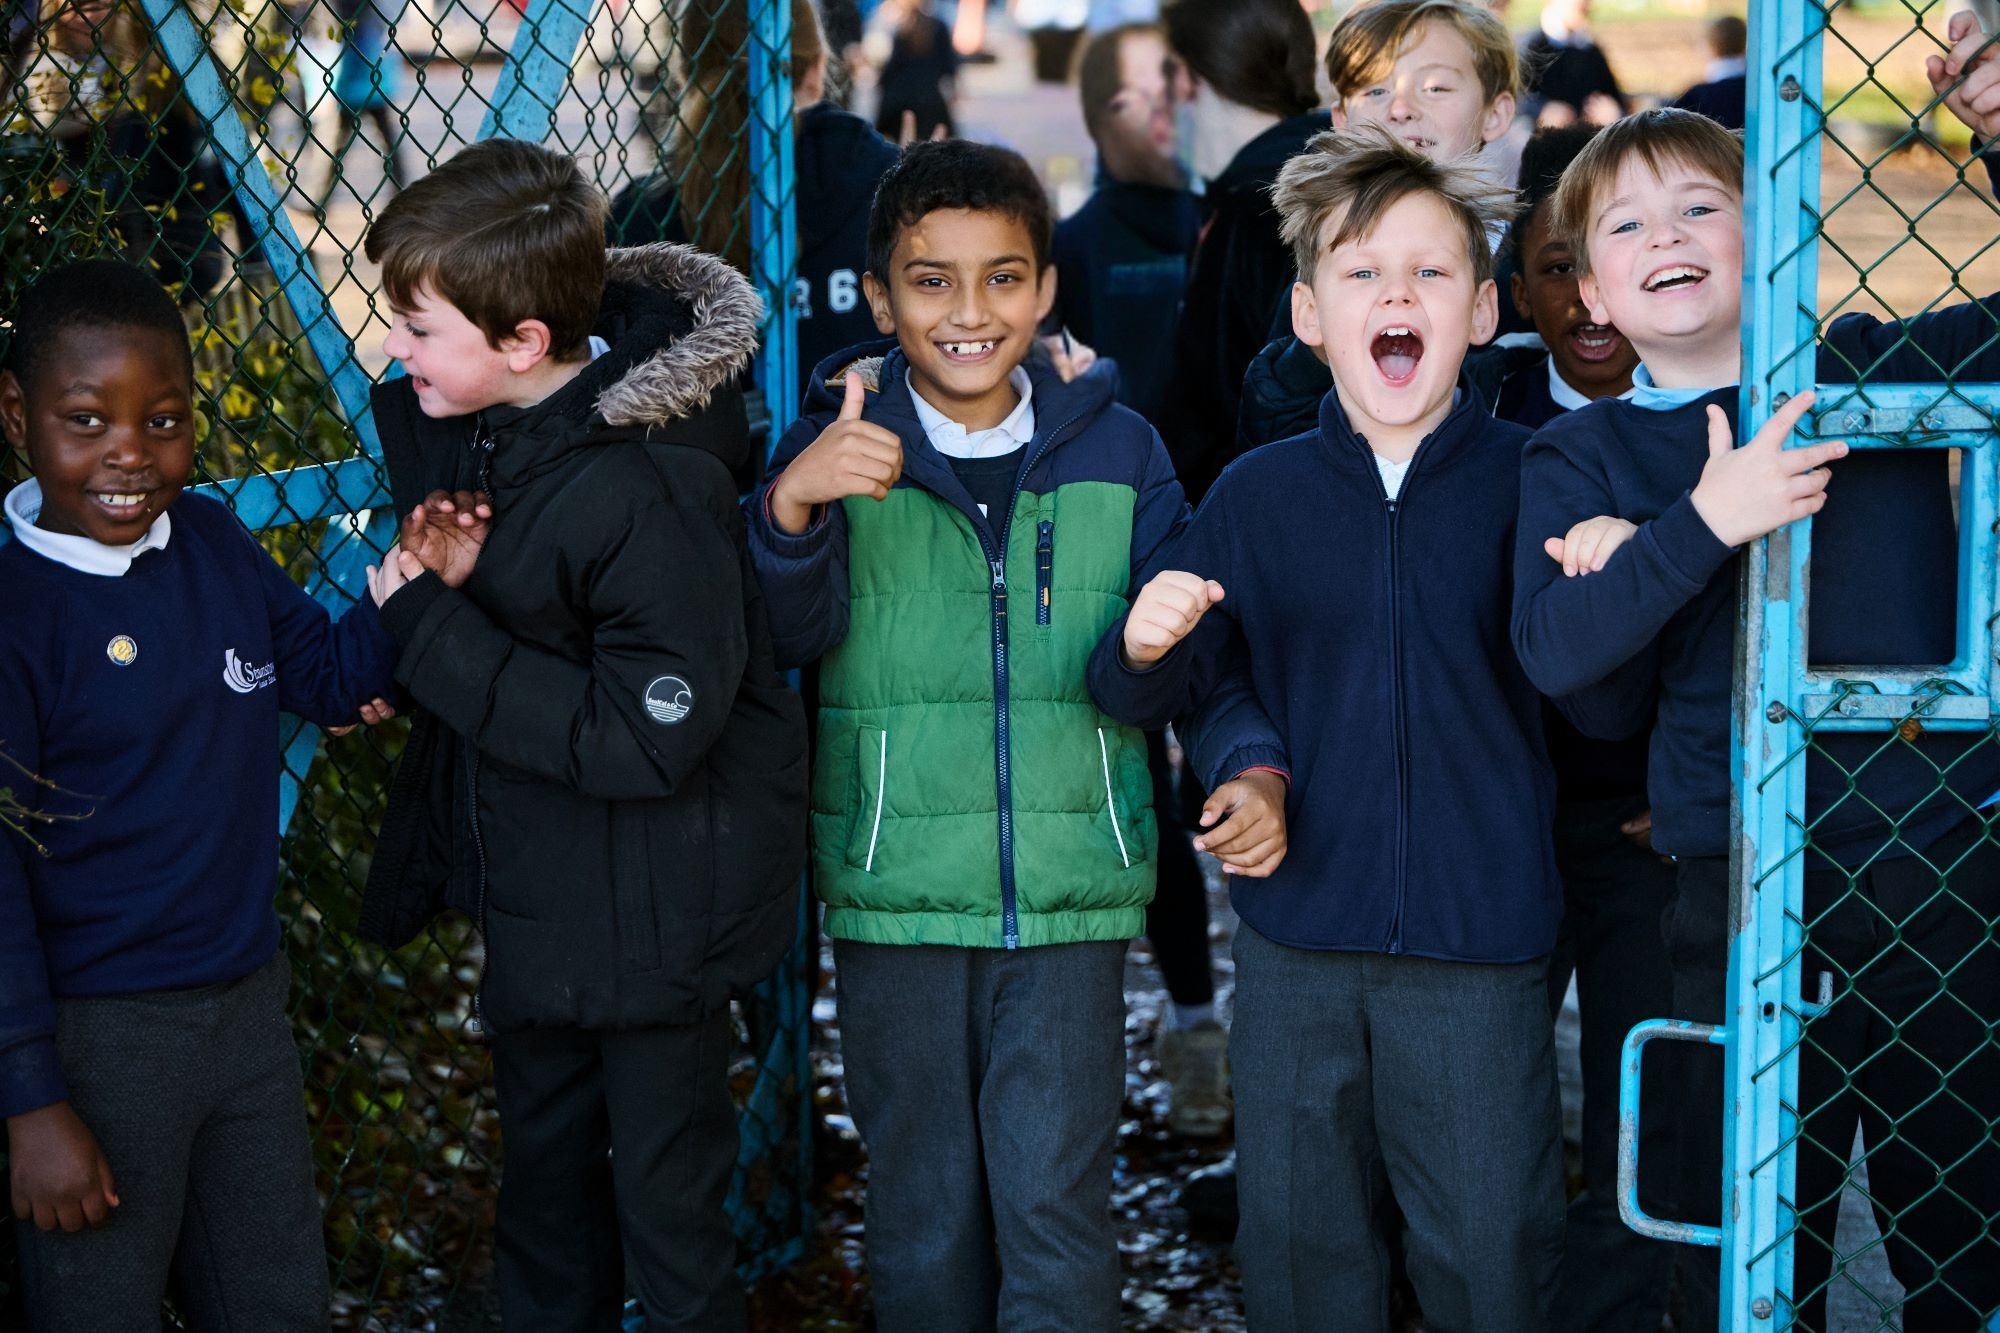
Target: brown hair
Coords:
[[1729, 36], [705, 148], [1100, 71], [1367, 41], [505, 231], [1255, 53], [1657, 137], [1362, 172]]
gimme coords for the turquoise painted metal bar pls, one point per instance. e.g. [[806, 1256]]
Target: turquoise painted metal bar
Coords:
[[1636, 1217], [536, 76], [186, 50], [773, 214], [1780, 274], [774, 266], [302, 494]]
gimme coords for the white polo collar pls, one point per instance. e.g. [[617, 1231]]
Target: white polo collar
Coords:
[[954, 441], [1565, 397], [24, 506]]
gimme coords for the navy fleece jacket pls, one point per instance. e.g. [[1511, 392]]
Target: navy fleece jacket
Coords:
[[1380, 676], [1656, 627], [152, 699]]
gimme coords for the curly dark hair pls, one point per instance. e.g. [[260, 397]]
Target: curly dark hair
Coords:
[[90, 294], [957, 173]]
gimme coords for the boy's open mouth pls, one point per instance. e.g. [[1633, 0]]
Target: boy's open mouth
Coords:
[[970, 350], [1397, 351], [1595, 342], [1673, 279]]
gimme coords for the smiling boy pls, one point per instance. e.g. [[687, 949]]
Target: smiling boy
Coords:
[[950, 528], [151, 1089], [1653, 209], [1439, 75], [1391, 1022]]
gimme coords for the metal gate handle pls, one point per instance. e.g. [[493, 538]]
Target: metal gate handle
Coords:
[[1664, 1029]]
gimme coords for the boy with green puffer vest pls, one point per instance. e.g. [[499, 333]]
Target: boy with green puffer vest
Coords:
[[948, 530]]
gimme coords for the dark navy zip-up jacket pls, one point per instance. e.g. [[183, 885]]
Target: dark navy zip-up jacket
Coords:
[[1383, 682], [152, 700], [1655, 628]]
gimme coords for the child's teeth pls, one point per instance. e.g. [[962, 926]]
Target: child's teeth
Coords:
[[120, 501]]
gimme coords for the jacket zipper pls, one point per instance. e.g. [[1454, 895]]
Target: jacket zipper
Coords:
[[1396, 708], [996, 562], [478, 1025], [1045, 560]]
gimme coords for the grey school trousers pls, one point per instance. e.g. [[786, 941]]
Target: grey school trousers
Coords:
[[1358, 1074], [986, 1084], [197, 1101]]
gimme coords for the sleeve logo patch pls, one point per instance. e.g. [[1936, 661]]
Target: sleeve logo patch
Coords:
[[668, 700], [122, 651]]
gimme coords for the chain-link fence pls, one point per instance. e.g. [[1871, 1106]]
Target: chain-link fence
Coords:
[[1861, 1158], [240, 147]]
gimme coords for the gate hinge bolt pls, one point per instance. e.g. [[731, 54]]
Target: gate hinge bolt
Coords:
[[1854, 421], [1776, 712], [1760, 1308], [1789, 91]]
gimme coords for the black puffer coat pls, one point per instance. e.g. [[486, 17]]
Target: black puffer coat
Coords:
[[606, 771]]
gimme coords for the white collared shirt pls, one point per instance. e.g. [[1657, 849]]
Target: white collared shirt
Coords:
[[24, 506], [1565, 397], [954, 441], [1726, 67]]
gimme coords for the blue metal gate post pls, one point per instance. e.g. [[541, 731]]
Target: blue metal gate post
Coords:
[[773, 267], [1767, 865]]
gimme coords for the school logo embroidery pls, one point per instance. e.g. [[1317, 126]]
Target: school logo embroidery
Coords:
[[122, 651], [242, 678], [668, 700]]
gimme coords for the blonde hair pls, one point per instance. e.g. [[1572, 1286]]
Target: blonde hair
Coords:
[[1662, 136], [1367, 41], [1362, 172]]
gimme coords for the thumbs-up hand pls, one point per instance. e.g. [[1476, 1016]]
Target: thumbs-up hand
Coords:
[[850, 457], [1745, 493], [1165, 612]]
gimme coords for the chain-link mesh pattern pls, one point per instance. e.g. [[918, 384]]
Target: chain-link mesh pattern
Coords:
[[1865, 1186], [240, 148]]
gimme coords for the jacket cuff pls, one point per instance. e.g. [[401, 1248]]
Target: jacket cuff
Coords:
[[31, 1077], [1690, 548], [1245, 758], [405, 609], [794, 545]]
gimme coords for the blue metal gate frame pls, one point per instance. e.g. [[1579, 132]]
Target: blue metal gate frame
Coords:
[[1779, 698]]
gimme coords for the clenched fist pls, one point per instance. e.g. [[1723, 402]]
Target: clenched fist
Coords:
[[1166, 611], [850, 457]]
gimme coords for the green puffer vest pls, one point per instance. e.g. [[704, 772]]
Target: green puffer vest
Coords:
[[910, 809]]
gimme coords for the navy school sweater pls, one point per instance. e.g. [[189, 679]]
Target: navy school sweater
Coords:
[[1587, 768], [1655, 629], [152, 699], [1370, 636]]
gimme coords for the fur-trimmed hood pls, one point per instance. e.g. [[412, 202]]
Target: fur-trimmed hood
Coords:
[[659, 384]]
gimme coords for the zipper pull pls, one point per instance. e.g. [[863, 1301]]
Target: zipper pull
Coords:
[[999, 577]]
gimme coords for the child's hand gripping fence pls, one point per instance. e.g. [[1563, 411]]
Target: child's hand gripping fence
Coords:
[[240, 147], [1860, 1181]]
